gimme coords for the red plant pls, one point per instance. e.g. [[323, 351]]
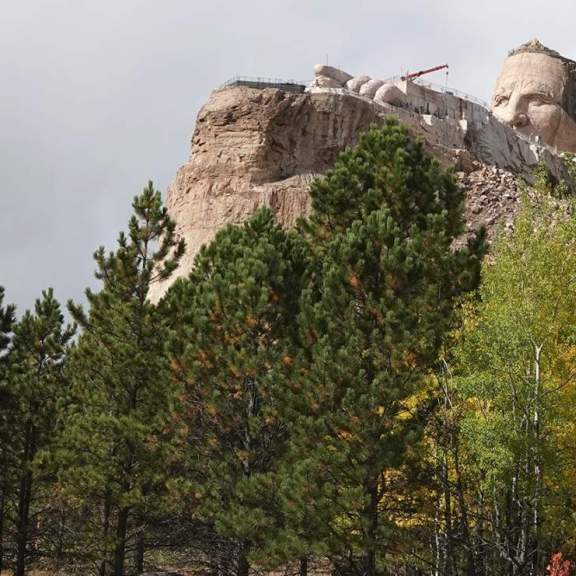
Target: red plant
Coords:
[[559, 567]]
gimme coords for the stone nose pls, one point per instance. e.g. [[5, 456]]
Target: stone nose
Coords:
[[512, 114]]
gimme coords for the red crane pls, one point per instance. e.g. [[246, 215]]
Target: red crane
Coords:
[[413, 75]]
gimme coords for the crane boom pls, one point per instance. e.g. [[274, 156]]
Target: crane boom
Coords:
[[422, 72]]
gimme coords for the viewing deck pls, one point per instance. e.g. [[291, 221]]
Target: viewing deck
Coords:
[[262, 83]]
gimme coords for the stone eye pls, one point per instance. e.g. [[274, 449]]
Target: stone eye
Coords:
[[538, 99], [499, 100]]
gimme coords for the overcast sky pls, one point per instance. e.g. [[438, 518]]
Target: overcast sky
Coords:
[[99, 96]]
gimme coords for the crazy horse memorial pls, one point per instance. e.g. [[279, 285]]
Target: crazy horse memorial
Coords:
[[259, 143]]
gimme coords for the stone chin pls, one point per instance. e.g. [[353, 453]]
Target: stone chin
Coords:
[[535, 94]]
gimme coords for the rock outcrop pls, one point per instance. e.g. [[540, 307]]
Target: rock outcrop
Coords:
[[255, 147]]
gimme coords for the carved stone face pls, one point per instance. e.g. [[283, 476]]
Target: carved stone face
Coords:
[[532, 95]]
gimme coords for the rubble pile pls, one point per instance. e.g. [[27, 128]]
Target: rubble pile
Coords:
[[492, 198]]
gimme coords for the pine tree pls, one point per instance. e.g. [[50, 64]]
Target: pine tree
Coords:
[[33, 388], [6, 323], [235, 350], [377, 306], [121, 431], [387, 168]]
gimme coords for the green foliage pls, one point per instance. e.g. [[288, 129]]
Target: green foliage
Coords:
[[329, 393], [374, 314], [6, 321], [122, 429], [545, 183], [38, 350], [516, 367], [32, 391], [387, 168], [543, 180], [233, 347]]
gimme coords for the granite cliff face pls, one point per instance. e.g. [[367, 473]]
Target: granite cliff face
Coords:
[[255, 147]]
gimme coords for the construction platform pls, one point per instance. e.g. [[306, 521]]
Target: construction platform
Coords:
[[261, 83]]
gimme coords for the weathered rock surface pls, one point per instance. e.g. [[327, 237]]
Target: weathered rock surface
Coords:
[[254, 148], [492, 199]]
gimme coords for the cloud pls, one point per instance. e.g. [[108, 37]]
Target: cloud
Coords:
[[98, 97]]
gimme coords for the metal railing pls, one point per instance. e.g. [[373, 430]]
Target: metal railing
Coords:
[[262, 83], [442, 89], [451, 92], [300, 86]]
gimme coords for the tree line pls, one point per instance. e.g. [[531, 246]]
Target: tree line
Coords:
[[353, 396]]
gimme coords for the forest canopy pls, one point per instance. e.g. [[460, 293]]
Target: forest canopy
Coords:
[[353, 396]]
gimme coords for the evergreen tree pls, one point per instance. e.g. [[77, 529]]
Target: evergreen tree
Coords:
[[121, 431], [6, 322], [33, 388], [387, 168], [377, 307], [236, 315]]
